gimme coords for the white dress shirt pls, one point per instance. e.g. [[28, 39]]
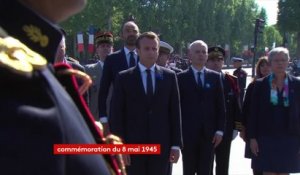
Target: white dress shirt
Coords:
[[127, 53], [144, 76]]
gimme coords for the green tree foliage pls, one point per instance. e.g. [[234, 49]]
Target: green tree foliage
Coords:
[[179, 22], [289, 24]]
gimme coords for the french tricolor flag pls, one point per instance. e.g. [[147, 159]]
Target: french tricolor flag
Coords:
[[91, 40], [80, 45]]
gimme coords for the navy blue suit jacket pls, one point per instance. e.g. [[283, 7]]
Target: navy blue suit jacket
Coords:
[[114, 63], [202, 109], [136, 120], [260, 122]]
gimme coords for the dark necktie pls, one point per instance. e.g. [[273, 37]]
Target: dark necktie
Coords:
[[149, 84], [199, 79], [131, 59]]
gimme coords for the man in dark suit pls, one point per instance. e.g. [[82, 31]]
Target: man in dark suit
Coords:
[[215, 62], [203, 112], [104, 47], [36, 111], [145, 109], [114, 63]]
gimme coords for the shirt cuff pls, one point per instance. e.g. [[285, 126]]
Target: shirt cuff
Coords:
[[220, 133], [104, 119], [175, 147]]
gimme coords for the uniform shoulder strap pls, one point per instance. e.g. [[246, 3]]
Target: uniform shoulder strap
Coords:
[[233, 83], [18, 58]]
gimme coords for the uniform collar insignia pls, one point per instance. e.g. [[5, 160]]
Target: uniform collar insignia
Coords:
[[35, 35]]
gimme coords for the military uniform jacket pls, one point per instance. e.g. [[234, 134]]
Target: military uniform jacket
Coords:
[[36, 111], [242, 78], [76, 65], [95, 72], [232, 104]]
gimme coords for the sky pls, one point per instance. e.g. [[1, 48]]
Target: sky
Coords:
[[271, 8]]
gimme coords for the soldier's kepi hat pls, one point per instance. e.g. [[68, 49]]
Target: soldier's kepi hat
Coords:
[[165, 47], [216, 52], [103, 37], [237, 59]]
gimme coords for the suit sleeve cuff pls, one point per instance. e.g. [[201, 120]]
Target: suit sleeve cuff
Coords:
[[104, 119], [220, 133], [175, 147]]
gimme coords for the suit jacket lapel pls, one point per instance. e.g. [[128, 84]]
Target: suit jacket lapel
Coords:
[[291, 91], [158, 81], [294, 121], [192, 79], [124, 60], [99, 71]]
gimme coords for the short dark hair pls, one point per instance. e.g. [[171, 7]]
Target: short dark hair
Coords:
[[149, 35]]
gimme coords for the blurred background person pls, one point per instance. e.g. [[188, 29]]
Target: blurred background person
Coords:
[[274, 124], [262, 69], [62, 57], [241, 74]]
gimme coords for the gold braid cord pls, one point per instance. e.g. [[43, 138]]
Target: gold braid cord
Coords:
[[87, 81], [112, 139]]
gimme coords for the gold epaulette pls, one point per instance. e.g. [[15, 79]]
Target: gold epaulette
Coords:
[[18, 58]]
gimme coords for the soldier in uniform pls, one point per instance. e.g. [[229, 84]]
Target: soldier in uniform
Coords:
[[240, 74], [36, 110], [104, 47], [165, 51], [232, 105]]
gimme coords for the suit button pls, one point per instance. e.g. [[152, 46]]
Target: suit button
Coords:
[[150, 112]]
